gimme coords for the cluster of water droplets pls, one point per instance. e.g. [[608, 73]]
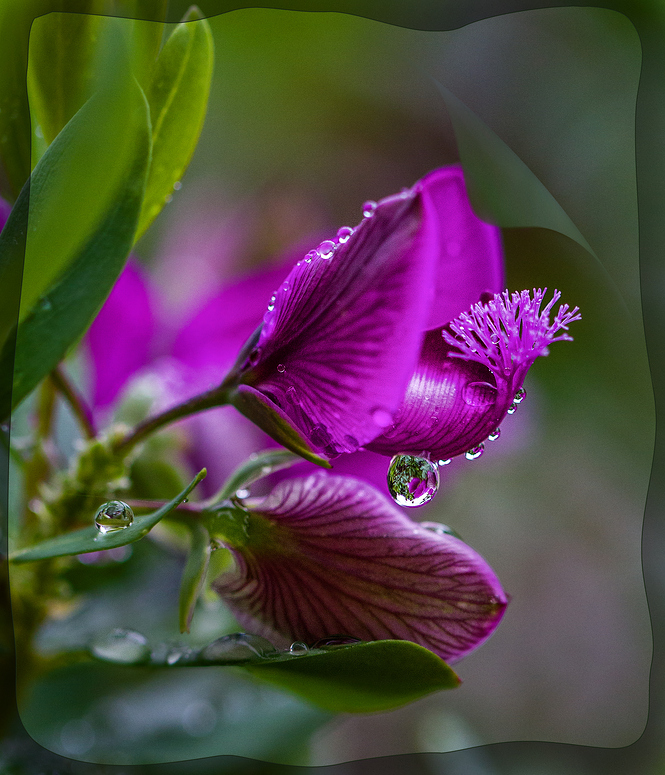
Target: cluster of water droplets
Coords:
[[113, 516], [128, 647], [519, 397]]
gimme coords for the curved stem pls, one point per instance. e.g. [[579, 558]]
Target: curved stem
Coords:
[[76, 403], [216, 397]]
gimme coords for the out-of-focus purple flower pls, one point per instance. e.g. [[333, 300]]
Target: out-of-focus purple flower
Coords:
[[329, 555], [341, 337], [5, 209]]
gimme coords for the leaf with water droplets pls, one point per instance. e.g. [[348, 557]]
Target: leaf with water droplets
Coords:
[[89, 539], [361, 677], [194, 574]]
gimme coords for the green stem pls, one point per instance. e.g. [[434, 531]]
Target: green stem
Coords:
[[75, 401], [216, 397]]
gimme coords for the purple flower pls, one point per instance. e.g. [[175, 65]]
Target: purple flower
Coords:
[[341, 337], [329, 555]]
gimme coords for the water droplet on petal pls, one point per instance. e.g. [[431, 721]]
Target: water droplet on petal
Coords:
[[368, 208], [332, 641], [475, 452], [439, 528], [281, 368], [286, 286], [298, 647], [243, 493], [479, 393], [511, 409], [310, 256], [113, 516], [344, 233], [123, 646], [327, 249], [519, 396], [236, 648], [382, 417], [412, 481], [292, 395], [494, 435], [445, 462]]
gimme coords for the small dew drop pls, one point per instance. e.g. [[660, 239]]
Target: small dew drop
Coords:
[[281, 368], [519, 396], [125, 647], [439, 528], [344, 233], [292, 395], [369, 208], [310, 256], [177, 185], [179, 656], [242, 493], [412, 481], [444, 462], [237, 647], [475, 452], [494, 435], [298, 647], [511, 409], [333, 641], [327, 249], [113, 516], [479, 394], [286, 286]]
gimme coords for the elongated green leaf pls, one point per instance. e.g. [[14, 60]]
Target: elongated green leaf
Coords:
[[89, 539], [256, 467], [503, 190], [79, 258], [178, 97], [361, 678], [194, 575]]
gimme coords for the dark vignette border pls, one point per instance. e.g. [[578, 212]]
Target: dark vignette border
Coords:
[[646, 755]]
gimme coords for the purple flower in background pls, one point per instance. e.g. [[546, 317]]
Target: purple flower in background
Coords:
[[329, 554], [341, 338]]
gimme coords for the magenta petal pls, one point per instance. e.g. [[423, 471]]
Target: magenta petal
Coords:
[[120, 337], [470, 255], [341, 335], [330, 555]]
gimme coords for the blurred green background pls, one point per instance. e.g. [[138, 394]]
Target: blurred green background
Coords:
[[310, 114]]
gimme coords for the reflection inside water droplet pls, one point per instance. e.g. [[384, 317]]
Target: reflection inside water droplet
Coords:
[[494, 435], [519, 396], [475, 452], [126, 647], [298, 647], [236, 647], [412, 481], [327, 249], [344, 233], [368, 208], [113, 516]]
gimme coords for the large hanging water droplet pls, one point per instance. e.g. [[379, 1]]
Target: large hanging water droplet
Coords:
[[439, 528], [333, 641], [344, 233], [412, 481], [113, 516], [298, 648], [494, 435], [479, 393], [475, 452], [236, 648], [369, 208], [327, 249], [126, 647]]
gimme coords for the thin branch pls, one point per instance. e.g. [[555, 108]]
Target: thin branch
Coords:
[[75, 400]]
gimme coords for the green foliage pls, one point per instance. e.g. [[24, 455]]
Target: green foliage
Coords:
[[178, 97], [256, 467], [84, 199], [360, 678], [89, 539], [194, 575]]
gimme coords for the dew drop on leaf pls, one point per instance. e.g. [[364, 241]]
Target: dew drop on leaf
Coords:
[[126, 647], [236, 648], [298, 647], [412, 481], [113, 516]]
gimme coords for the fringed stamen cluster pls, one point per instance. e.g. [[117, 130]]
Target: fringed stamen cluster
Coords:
[[510, 331]]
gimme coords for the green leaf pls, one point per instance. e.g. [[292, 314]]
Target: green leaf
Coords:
[[178, 98], [83, 198], [361, 678], [257, 466], [194, 575], [89, 539], [502, 189]]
